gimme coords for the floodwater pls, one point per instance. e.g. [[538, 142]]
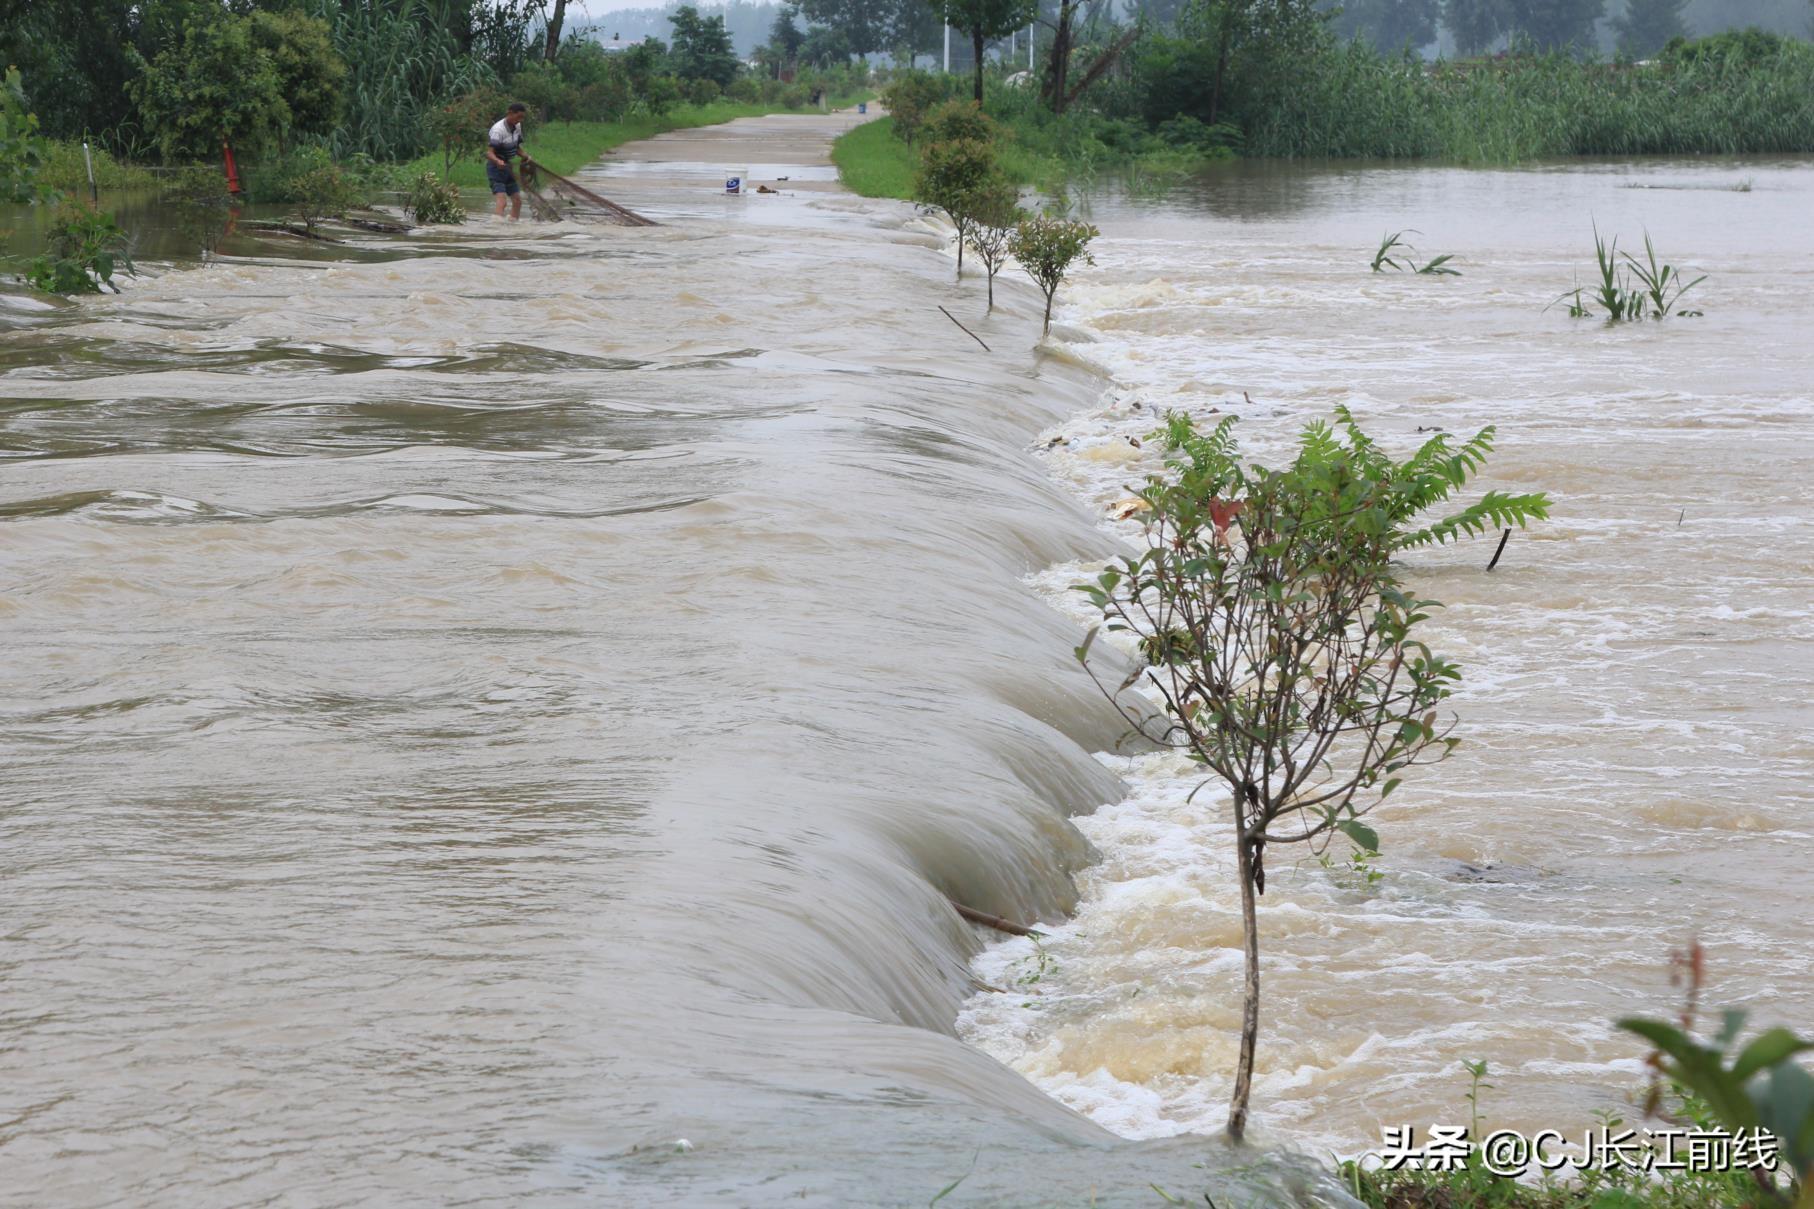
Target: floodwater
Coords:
[[484, 707], [1637, 767]]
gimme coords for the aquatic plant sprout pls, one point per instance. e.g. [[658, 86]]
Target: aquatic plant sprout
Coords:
[[1656, 294], [1395, 253]]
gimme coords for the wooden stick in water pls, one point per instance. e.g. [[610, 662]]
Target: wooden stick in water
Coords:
[[992, 921], [1503, 538], [967, 331]]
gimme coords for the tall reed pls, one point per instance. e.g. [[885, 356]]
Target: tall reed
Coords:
[[1353, 102], [402, 57]]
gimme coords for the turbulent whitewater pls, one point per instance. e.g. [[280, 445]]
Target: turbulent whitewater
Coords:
[[1638, 759]]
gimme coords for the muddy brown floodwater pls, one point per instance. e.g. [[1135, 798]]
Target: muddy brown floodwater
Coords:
[[482, 707]]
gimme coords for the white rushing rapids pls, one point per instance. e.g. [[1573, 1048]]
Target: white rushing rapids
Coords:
[[1638, 739]]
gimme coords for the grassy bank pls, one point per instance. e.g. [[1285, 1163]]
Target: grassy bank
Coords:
[[873, 163], [567, 147], [65, 171]]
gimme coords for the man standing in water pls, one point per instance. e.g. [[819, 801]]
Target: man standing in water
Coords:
[[506, 141]]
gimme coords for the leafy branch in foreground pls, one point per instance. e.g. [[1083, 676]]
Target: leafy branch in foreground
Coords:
[[1284, 649], [1760, 1086]]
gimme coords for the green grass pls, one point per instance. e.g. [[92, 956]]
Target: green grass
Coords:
[[566, 147], [64, 170], [873, 163]]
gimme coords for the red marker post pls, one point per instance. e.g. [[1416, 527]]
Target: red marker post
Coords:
[[233, 185]]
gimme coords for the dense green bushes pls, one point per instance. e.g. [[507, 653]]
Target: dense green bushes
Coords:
[[22, 149], [173, 79]]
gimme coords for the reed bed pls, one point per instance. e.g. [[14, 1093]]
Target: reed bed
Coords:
[[1356, 103], [401, 59]]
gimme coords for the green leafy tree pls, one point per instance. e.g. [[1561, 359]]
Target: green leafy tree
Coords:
[[216, 84], [996, 214], [825, 45], [549, 96], [76, 58], [915, 30], [21, 147], [1047, 247], [1287, 650], [1389, 25], [985, 21], [321, 190], [582, 61], [1476, 24], [785, 37], [701, 49], [910, 96], [1253, 44], [861, 26], [1556, 24], [433, 201], [956, 176], [310, 73], [1646, 26], [459, 125], [953, 121], [644, 62]]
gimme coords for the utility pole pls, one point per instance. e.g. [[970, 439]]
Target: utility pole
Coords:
[[1029, 48], [947, 50]]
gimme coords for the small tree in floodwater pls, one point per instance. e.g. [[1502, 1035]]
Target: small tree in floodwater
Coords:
[[956, 176], [1274, 625], [1047, 247], [998, 213]]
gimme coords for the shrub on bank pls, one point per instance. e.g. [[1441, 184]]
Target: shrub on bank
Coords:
[[434, 201], [910, 95]]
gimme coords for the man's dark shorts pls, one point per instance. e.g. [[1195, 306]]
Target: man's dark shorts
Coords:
[[501, 179]]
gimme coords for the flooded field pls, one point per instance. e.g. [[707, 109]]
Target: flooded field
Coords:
[[487, 706]]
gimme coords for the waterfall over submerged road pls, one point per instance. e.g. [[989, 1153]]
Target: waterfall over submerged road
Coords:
[[482, 707]]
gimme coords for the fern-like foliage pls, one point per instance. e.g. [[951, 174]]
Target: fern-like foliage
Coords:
[[1401, 492]]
